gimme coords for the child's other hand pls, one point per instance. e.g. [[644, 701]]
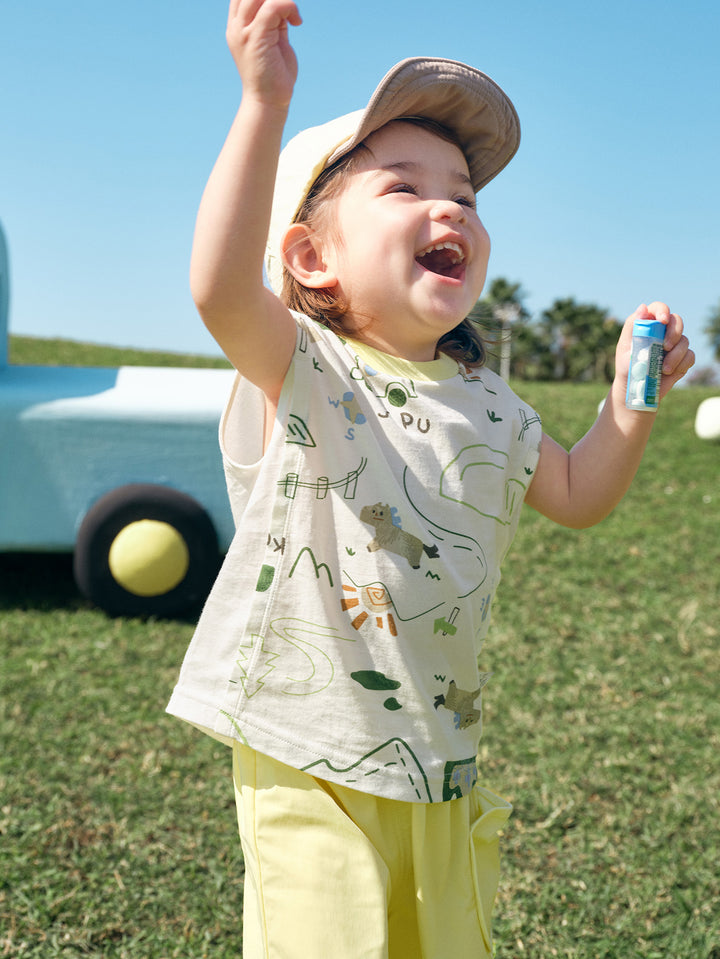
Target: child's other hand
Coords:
[[679, 358], [257, 35]]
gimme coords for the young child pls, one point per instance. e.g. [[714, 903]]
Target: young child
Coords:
[[376, 472]]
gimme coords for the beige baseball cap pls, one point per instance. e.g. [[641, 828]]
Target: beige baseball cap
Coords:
[[451, 93]]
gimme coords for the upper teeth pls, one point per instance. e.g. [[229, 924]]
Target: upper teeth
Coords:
[[453, 247]]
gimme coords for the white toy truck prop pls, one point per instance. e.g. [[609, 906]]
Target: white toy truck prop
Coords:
[[122, 468]]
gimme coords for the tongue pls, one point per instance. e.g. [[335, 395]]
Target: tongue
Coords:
[[439, 261]]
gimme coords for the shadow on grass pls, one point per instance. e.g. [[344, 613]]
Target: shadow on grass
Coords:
[[38, 581], [45, 581]]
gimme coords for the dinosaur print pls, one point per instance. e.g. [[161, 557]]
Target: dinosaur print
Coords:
[[462, 703], [392, 538]]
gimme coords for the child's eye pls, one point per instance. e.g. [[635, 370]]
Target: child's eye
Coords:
[[466, 201], [404, 188]]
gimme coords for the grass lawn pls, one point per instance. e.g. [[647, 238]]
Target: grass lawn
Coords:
[[602, 726]]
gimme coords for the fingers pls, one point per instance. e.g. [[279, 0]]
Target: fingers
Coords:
[[678, 355], [662, 313], [679, 358], [245, 11], [657, 311], [675, 344], [260, 21], [257, 36]]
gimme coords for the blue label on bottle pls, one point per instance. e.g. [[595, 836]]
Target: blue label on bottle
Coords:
[[652, 384]]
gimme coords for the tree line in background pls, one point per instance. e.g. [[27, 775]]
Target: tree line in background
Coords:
[[569, 341]]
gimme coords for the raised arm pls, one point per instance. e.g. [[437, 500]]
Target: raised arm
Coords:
[[580, 488], [254, 329]]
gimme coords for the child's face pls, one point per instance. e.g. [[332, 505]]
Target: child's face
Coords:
[[411, 253]]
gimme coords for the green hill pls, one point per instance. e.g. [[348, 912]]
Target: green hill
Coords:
[[35, 351]]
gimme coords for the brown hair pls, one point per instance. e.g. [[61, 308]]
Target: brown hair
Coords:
[[464, 343]]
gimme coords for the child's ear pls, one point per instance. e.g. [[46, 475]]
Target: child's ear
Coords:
[[304, 256]]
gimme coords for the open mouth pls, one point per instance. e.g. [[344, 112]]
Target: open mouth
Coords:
[[444, 259]]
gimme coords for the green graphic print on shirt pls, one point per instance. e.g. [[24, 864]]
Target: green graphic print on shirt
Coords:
[[371, 543]]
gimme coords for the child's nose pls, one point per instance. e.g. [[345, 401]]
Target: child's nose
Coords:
[[448, 210]]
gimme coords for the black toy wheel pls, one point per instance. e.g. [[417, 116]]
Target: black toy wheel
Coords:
[[146, 550]]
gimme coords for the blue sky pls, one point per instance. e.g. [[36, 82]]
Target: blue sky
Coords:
[[112, 115]]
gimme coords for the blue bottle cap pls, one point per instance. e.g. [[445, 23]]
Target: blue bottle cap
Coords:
[[653, 328]]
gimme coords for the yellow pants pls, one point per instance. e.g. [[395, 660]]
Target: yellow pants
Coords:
[[333, 873]]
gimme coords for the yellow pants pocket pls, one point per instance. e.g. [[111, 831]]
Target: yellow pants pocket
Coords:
[[489, 813]]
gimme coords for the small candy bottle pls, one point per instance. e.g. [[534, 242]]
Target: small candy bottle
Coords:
[[643, 387]]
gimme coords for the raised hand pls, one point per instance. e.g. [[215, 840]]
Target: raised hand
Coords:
[[257, 35]]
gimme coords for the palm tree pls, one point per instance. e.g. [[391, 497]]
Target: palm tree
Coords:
[[580, 339], [502, 316]]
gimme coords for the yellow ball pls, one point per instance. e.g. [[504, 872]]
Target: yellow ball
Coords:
[[149, 558]]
